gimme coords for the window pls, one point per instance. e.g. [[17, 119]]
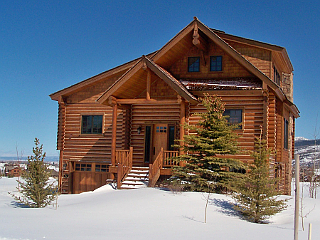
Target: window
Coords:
[[101, 168], [147, 144], [286, 134], [234, 116], [83, 167], [171, 138], [216, 63], [161, 129], [276, 76], [91, 124], [194, 64]]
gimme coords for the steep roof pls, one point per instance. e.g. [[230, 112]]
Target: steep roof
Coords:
[[121, 86], [92, 80], [166, 56], [183, 40]]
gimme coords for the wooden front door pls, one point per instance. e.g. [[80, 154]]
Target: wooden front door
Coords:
[[156, 137], [160, 139]]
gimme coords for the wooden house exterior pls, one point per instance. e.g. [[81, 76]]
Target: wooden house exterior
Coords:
[[13, 170], [130, 115]]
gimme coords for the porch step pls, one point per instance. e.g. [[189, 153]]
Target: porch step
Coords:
[[137, 178]]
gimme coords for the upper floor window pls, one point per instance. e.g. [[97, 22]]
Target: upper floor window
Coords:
[[194, 64], [91, 124], [216, 63], [276, 76], [234, 116]]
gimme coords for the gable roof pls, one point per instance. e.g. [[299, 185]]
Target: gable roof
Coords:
[[183, 40], [92, 80], [121, 86], [158, 57], [164, 57]]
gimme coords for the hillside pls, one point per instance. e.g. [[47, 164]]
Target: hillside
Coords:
[[308, 151]]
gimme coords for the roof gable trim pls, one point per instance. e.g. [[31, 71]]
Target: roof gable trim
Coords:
[[160, 72]]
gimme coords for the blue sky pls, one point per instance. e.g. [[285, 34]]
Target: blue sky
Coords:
[[46, 46]]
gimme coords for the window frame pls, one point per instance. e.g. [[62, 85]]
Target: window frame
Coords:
[[192, 68], [211, 61], [276, 75], [92, 124], [240, 124]]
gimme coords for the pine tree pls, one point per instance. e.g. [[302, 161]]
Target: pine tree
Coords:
[[256, 193], [207, 164], [35, 190]]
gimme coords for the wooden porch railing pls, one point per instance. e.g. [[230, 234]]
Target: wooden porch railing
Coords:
[[164, 159], [124, 163], [167, 158], [154, 169]]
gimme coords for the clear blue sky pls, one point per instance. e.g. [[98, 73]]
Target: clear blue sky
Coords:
[[46, 46]]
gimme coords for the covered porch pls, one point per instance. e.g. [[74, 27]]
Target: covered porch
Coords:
[[154, 105]]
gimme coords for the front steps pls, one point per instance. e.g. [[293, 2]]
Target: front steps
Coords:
[[137, 178]]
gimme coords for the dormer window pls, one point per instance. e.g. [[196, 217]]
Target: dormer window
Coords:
[[194, 64], [215, 63]]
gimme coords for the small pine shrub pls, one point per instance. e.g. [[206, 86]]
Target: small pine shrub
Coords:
[[256, 194], [35, 189]]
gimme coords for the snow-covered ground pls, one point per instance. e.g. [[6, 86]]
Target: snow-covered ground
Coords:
[[145, 213]]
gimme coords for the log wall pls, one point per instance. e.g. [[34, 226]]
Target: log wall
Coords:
[[143, 115], [87, 147], [251, 104]]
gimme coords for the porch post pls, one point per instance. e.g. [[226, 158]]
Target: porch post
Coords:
[[182, 122], [114, 133]]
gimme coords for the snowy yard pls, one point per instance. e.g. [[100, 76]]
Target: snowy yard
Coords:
[[145, 213]]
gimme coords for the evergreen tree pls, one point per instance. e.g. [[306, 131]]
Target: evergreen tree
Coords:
[[35, 190], [207, 165], [256, 193]]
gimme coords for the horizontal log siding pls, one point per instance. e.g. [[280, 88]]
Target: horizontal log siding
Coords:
[[252, 119], [61, 126], [87, 147], [279, 130], [145, 115], [272, 121]]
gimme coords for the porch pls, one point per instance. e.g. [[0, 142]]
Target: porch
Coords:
[[162, 165]]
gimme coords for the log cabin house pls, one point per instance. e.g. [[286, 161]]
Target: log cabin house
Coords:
[[129, 116]]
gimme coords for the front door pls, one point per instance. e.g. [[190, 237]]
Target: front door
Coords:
[[160, 139], [157, 136]]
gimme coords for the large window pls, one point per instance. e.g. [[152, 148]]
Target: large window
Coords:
[[234, 116], [91, 124], [216, 63], [194, 64], [286, 134]]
